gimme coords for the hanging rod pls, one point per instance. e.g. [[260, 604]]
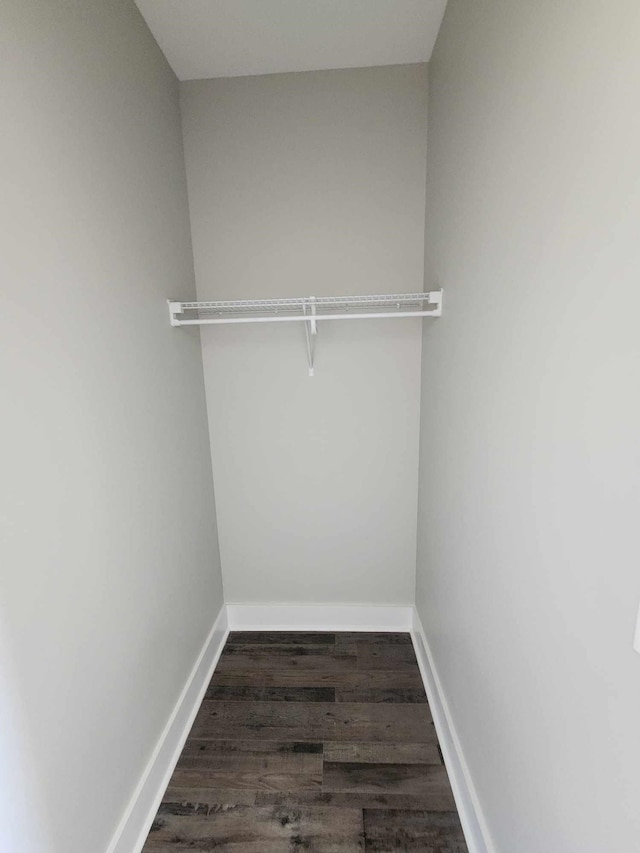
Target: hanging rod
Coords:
[[308, 310]]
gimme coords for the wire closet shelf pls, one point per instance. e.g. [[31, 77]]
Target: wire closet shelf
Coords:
[[308, 310]]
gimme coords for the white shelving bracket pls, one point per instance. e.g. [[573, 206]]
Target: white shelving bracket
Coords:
[[311, 332], [175, 308], [435, 299], [309, 310]]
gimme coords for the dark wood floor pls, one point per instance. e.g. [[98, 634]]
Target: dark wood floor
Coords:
[[321, 743]]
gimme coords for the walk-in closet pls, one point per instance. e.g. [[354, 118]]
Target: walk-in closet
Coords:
[[320, 413]]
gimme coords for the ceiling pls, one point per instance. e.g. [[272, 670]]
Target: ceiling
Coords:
[[235, 38]]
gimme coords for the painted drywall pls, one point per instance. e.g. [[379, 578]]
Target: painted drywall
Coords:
[[528, 579], [109, 573], [311, 184]]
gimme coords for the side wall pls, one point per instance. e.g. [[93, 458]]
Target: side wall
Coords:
[[312, 184], [528, 579], [109, 568]]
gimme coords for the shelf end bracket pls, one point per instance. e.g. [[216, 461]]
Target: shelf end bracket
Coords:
[[435, 299], [175, 308]]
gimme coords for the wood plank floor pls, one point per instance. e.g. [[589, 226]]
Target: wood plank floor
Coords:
[[322, 743]]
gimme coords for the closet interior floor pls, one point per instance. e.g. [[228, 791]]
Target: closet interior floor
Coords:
[[311, 742]]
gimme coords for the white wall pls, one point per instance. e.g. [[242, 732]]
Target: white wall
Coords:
[[528, 579], [304, 184], [109, 572]]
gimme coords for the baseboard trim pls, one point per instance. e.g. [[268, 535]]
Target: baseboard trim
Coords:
[[318, 617], [134, 827], [473, 823]]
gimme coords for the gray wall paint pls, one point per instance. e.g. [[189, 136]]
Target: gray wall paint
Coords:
[[109, 578], [528, 579], [304, 184]]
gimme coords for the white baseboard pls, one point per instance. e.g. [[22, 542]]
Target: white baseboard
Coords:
[[318, 617], [136, 822], [473, 823]]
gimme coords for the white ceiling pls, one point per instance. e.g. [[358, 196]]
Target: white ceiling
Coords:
[[233, 38]]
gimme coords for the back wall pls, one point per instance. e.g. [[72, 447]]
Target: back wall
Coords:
[[311, 184]]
